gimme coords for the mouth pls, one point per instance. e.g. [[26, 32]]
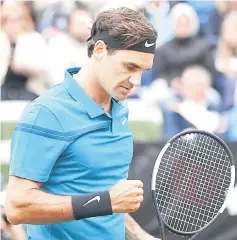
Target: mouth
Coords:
[[128, 90]]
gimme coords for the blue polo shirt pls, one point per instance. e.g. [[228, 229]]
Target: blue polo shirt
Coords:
[[70, 144]]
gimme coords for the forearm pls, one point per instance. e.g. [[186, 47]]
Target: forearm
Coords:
[[133, 230], [39, 207]]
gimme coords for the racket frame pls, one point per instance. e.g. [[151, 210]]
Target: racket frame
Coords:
[[161, 221]]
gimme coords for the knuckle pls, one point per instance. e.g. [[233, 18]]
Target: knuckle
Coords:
[[134, 208], [139, 199], [141, 184], [137, 206], [140, 192]]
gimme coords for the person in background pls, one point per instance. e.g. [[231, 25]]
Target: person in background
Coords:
[[215, 19], [68, 48], [158, 14], [185, 49], [203, 10], [52, 16], [226, 61], [194, 91], [22, 53]]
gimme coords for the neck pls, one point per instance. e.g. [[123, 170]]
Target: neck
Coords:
[[88, 81]]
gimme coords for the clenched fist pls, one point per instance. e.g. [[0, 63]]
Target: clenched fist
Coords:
[[126, 196]]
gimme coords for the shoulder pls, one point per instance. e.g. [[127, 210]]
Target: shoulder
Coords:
[[43, 110], [54, 109], [200, 43], [38, 114]]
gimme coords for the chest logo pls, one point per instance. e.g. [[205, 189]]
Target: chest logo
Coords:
[[124, 121]]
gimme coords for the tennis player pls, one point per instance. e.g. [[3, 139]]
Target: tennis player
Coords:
[[72, 146]]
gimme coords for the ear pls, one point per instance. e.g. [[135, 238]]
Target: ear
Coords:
[[100, 50]]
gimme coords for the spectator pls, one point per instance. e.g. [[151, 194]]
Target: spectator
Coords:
[[53, 16], [69, 48], [185, 49], [231, 126], [216, 17], [158, 14], [22, 58], [226, 60], [203, 9], [194, 91]]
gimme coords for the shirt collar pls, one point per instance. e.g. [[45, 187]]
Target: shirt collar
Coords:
[[92, 108]]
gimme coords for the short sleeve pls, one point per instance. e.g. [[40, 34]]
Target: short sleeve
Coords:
[[37, 143]]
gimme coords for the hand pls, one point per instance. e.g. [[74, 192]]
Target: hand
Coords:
[[126, 196]]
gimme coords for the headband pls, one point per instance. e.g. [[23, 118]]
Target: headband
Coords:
[[147, 46]]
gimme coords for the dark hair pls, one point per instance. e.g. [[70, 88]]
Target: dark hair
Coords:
[[127, 25]]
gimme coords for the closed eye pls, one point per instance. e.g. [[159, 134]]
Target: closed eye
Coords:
[[130, 68], [133, 67]]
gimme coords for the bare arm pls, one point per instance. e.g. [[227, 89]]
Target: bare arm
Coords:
[[134, 231], [26, 203]]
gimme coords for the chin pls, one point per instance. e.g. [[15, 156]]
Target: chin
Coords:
[[120, 97]]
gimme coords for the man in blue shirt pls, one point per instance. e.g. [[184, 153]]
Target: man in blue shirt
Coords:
[[72, 146]]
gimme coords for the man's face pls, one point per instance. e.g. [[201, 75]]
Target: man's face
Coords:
[[193, 85], [120, 72], [183, 27]]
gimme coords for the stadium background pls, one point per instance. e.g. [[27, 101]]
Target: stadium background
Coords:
[[39, 39]]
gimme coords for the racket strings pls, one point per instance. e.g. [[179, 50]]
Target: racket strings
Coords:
[[191, 182]]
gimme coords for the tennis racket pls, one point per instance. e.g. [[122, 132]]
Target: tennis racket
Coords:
[[191, 181]]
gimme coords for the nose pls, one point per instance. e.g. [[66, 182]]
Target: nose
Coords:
[[135, 79]]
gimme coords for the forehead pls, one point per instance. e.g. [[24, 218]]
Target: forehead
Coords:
[[144, 60]]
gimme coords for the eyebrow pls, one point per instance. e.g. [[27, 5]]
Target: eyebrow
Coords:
[[135, 65]]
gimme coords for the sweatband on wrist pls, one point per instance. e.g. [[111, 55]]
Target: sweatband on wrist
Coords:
[[91, 205]]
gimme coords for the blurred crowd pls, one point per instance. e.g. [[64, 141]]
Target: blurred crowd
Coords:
[[193, 79]]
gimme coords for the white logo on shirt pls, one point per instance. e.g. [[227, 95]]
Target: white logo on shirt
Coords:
[[124, 121], [149, 44], [93, 199]]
